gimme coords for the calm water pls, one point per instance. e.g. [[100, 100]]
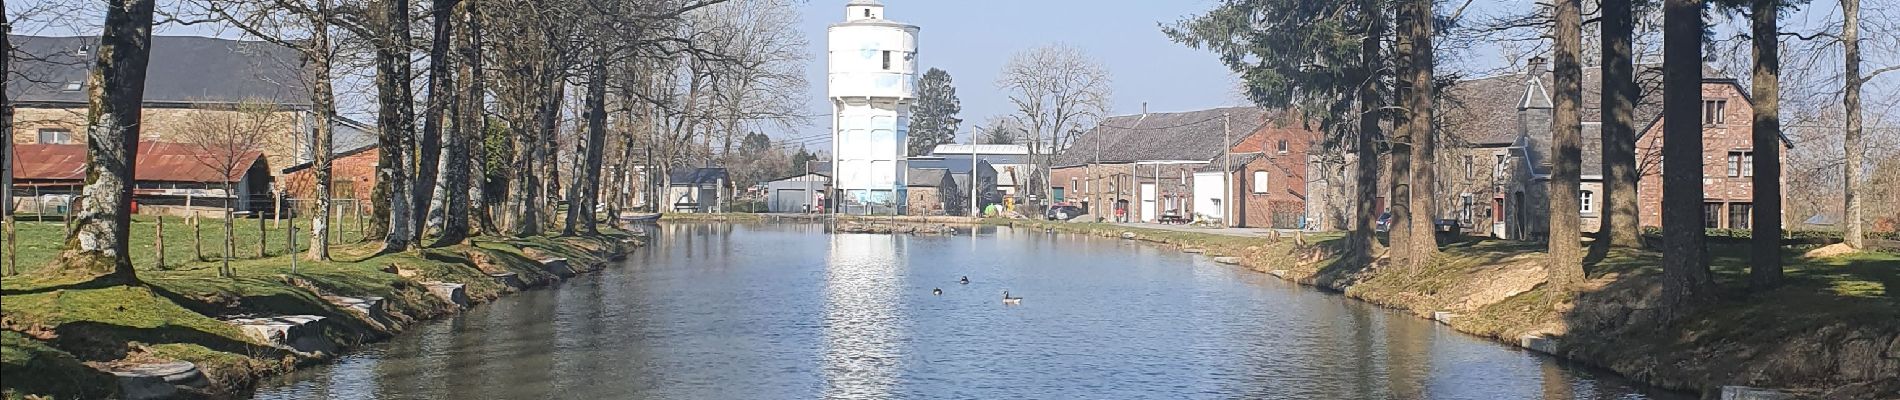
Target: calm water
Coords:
[[789, 312]]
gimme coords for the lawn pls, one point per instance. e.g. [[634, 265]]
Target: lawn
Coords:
[[40, 241]]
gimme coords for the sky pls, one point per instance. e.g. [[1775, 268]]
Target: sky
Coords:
[[973, 39]]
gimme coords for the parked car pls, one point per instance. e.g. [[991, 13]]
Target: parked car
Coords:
[[1385, 223], [1064, 212]]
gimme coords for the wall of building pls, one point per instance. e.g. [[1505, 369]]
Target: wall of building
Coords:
[[1477, 172], [1735, 133], [352, 176], [284, 145]]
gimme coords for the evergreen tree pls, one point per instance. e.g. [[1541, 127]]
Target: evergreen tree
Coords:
[[934, 119]]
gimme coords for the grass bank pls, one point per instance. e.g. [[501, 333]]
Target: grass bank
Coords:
[[1832, 332], [58, 334]]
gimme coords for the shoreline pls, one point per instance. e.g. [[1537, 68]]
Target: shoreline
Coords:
[[237, 332], [1494, 291]]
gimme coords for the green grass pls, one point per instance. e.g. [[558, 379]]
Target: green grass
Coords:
[[55, 321], [40, 241]]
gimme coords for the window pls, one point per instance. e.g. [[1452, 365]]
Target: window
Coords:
[[1712, 215], [1498, 169], [1464, 207], [1714, 112], [1470, 167], [887, 60], [1282, 146], [867, 13], [1741, 163], [1585, 199], [1260, 182], [74, 86], [1058, 193], [56, 136], [1738, 214]]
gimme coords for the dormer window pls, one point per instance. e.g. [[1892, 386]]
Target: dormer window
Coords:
[[73, 86]]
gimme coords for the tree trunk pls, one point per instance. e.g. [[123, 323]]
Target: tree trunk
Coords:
[[6, 146], [1856, 150], [1621, 222], [1423, 191], [474, 124], [441, 91], [461, 155], [263, 231], [548, 152], [1399, 149], [323, 107], [596, 141], [1565, 268], [98, 241], [230, 243], [1765, 256], [1365, 209], [396, 124], [1686, 281]]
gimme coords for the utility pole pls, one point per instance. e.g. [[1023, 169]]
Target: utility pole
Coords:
[[1227, 170], [975, 208]]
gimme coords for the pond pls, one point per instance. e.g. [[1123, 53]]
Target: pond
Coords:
[[765, 311]]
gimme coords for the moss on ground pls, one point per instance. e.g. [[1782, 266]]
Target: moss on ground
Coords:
[[55, 324]]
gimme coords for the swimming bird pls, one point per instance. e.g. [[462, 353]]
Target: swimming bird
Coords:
[[937, 291], [1011, 300], [965, 281]]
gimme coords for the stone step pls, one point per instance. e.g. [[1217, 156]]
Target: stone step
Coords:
[[558, 267], [370, 306], [1193, 250], [508, 279], [301, 333], [1443, 317], [158, 380], [1227, 260], [1749, 393], [1538, 343], [453, 293]]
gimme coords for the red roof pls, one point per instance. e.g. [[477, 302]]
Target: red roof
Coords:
[[157, 161]]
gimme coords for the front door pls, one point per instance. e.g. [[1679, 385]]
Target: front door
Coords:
[[1148, 202]]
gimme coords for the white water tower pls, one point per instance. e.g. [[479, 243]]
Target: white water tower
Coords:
[[873, 82]]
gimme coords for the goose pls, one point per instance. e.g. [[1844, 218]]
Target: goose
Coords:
[[937, 291], [964, 281], [1011, 300]]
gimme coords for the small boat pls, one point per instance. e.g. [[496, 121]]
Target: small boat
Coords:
[[1011, 300], [640, 218]]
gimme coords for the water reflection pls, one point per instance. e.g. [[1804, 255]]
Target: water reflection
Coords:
[[715, 311]]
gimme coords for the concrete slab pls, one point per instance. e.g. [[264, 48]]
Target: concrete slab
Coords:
[[1749, 393], [159, 380], [1227, 260], [1538, 343], [558, 267], [371, 307], [301, 333], [452, 293], [509, 279], [1443, 317], [1192, 250]]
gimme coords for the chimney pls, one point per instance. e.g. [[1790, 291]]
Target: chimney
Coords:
[[1144, 108], [1535, 65]]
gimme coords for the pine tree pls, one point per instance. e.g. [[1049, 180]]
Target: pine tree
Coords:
[[934, 119]]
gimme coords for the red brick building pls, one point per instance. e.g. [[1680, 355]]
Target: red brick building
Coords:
[[352, 176], [1159, 166]]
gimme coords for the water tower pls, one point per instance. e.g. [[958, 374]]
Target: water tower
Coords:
[[873, 82]]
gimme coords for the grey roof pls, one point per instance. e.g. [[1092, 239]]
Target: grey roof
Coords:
[[1537, 150], [1483, 111], [986, 149], [955, 166], [1239, 162], [183, 70], [926, 176], [1180, 136], [864, 3], [696, 176]]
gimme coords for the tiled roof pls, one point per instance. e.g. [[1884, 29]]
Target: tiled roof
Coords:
[[1483, 111], [1240, 162], [1180, 136], [926, 176], [156, 162], [987, 149], [183, 69]]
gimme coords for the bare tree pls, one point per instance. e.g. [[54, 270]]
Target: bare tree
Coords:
[[6, 147], [227, 143], [1058, 92], [98, 241]]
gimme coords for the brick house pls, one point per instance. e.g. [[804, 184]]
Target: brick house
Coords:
[[1494, 173], [352, 176], [1147, 164], [186, 76]]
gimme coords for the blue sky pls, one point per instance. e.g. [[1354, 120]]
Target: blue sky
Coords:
[[972, 39]]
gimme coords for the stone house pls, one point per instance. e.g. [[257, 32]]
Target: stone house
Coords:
[[186, 77], [933, 191], [1146, 164], [1495, 168]]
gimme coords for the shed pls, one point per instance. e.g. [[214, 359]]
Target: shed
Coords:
[[932, 191], [163, 174], [696, 190], [797, 193]]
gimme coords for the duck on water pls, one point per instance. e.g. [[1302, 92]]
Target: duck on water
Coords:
[[1007, 299]]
